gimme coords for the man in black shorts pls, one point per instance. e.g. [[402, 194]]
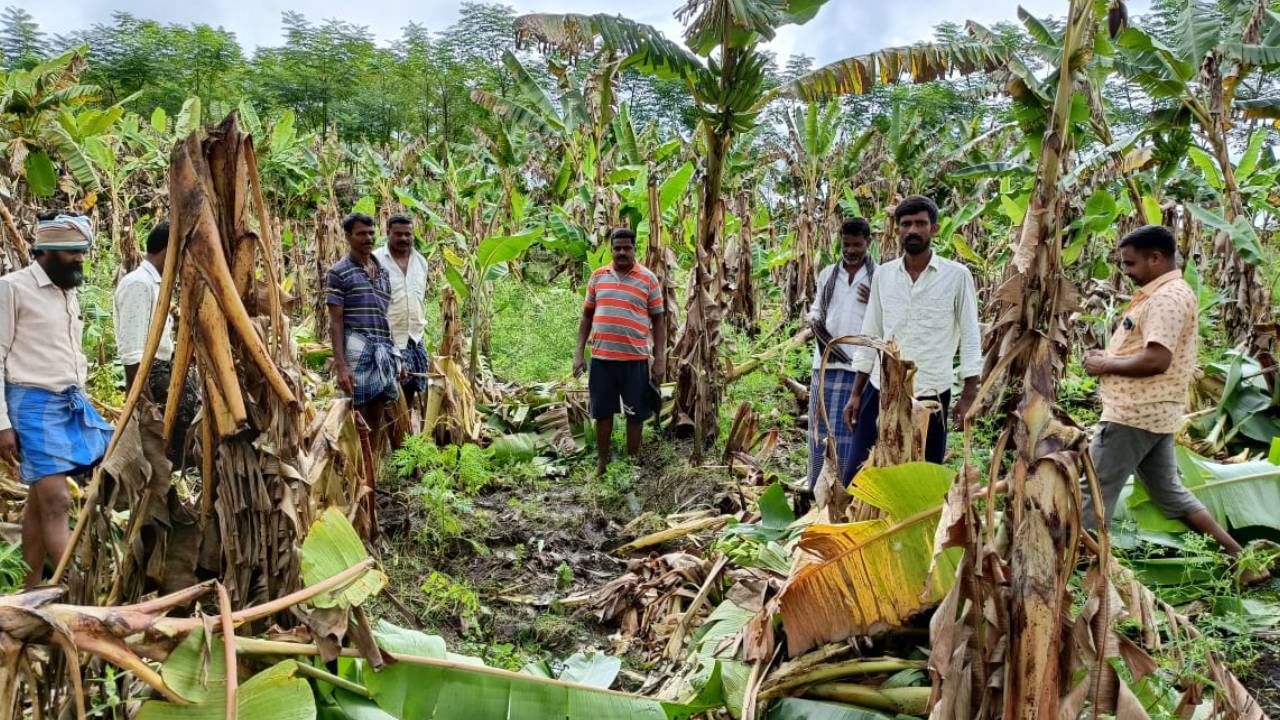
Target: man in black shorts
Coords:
[[622, 318]]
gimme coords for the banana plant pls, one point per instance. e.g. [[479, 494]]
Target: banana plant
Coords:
[[729, 89], [39, 123], [472, 279]]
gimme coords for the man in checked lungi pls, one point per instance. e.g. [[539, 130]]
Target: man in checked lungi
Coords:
[[407, 270], [838, 308], [365, 359], [48, 428]]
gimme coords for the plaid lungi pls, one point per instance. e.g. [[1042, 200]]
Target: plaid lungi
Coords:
[[376, 364], [415, 361], [837, 387], [59, 433]]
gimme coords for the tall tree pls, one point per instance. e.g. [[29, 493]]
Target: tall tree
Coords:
[[21, 39]]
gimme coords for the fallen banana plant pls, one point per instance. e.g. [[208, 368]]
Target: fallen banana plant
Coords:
[[253, 504], [866, 577], [393, 672]]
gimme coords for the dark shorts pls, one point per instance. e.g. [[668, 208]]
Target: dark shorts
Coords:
[[619, 386]]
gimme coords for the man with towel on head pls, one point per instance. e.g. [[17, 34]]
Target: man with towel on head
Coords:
[[48, 428]]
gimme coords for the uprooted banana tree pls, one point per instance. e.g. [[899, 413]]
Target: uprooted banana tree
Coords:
[[250, 442]]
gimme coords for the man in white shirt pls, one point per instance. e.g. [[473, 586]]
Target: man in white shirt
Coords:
[[927, 305], [837, 311], [134, 303], [407, 271], [48, 427]]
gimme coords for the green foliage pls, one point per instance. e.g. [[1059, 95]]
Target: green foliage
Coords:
[[447, 598], [534, 331], [13, 569], [448, 478]]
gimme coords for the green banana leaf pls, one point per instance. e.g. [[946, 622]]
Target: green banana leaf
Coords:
[[331, 547], [1238, 495], [276, 693], [405, 690], [798, 709]]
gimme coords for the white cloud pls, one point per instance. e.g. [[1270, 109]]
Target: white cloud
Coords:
[[841, 29]]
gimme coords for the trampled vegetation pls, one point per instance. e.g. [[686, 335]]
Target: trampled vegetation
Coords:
[[506, 580]]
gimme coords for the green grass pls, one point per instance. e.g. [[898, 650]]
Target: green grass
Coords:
[[534, 331]]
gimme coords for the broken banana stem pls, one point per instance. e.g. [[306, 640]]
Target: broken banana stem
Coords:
[[215, 341], [205, 250], [183, 351], [216, 406], [266, 241]]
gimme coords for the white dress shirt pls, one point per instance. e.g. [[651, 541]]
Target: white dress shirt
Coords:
[[844, 314], [134, 302], [408, 292], [929, 318], [40, 330]]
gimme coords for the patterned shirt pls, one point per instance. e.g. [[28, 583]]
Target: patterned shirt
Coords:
[[40, 331], [364, 300], [622, 304], [1162, 312]]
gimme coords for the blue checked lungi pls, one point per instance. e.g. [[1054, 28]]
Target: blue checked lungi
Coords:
[[59, 433], [836, 388], [375, 362], [415, 361]]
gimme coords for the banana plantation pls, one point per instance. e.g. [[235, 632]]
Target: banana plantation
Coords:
[[293, 561]]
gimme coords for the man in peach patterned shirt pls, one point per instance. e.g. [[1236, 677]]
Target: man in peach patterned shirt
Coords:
[[1144, 376]]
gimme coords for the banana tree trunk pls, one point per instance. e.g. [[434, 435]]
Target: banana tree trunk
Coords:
[[660, 259], [1248, 316], [740, 288], [1026, 345], [698, 373]]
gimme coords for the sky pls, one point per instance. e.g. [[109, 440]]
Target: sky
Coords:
[[841, 29]]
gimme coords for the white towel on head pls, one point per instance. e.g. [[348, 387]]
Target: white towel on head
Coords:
[[64, 232]]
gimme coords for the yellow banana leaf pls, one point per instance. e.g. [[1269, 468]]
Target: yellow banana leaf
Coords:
[[864, 577]]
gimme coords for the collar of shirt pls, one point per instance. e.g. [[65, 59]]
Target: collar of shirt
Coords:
[[151, 271], [935, 264], [42, 278], [1146, 291]]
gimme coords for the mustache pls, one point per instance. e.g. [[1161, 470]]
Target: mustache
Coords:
[[914, 236]]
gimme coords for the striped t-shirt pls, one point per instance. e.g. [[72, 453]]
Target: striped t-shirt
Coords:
[[364, 300], [622, 304]]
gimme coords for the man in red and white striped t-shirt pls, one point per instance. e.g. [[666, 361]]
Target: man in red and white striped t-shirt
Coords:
[[622, 318]]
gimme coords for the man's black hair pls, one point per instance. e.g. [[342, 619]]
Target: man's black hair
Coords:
[[857, 227], [622, 233], [915, 204], [158, 238], [398, 219], [1149, 238], [356, 218]]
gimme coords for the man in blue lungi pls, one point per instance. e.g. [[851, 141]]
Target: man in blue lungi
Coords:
[[365, 359], [48, 428], [838, 308]]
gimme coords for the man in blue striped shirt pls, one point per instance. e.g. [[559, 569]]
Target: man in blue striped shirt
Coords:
[[357, 291]]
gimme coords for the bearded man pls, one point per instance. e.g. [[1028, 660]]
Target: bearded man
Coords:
[[48, 428], [928, 305]]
